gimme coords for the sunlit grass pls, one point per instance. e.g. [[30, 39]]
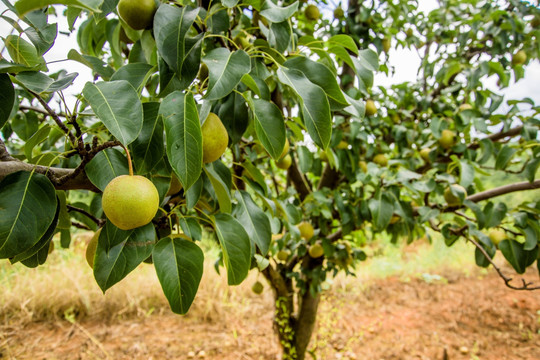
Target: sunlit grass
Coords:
[[65, 288]]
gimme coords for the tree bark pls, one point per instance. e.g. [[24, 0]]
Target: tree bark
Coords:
[[306, 322]]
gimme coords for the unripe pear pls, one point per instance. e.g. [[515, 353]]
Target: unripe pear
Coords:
[[451, 199], [175, 186], [316, 251], [215, 138], [519, 58], [283, 255], [448, 139], [464, 107], [286, 148], [91, 248], [496, 236], [342, 145], [130, 201], [285, 162], [386, 44], [339, 13], [381, 160], [306, 230], [424, 154], [257, 288], [312, 12], [138, 14], [371, 109], [362, 165], [203, 72]]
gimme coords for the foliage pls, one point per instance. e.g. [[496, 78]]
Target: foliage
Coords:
[[273, 76]]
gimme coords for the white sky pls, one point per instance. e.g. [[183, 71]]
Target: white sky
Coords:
[[405, 62]]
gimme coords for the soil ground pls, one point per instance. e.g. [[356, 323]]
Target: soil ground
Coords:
[[460, 317]]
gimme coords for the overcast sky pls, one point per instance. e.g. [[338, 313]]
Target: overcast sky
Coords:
[[406, 62]]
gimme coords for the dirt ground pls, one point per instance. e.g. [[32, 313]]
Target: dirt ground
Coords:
[[457, 318]]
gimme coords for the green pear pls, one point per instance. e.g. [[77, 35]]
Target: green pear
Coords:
[[138, 14], [215, 138]]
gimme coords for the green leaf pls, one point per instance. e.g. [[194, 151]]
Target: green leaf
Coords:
[[254, 221], [94, 63], [37, 138], [183, 135], [234, 115], [225, 69], [180, 52], [63, 82], [118, 106], [229, 3], [466, 173], [494, 214], [381, 208], [105, 166], [179, 266], [480, 258], [320, 75], [280, 36], [147, 150], [345, 41], [34, 80], [313, 105], [22, 52], [277, 14], [39, 257], [221, 189], [27, 209], [25, 6], [519, 258], [269, 125], [136, 74], [119, 252], [236, 247], [191, 228], [257, 85], [369, 59], [12, 68], [504, 156], [7, 98]]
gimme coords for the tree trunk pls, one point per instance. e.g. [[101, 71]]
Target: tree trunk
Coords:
[[306, 322]]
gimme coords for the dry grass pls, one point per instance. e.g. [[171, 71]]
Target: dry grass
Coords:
[[64, 288]]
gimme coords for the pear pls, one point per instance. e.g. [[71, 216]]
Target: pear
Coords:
[[130, 201], [312, 12], [448, 139], [451, 199], [215, 138], [91, 248], [381, 160], [306, 230], [138, 14], [316, 251], [371, 109], [285, 162], [257, 288]]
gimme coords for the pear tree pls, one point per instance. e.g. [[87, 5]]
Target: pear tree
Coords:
[[257, 123]]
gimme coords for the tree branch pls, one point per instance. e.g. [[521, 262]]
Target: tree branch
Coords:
[[507, 280], [38, 110], [499, 136], [502, 190], [298, 180], [4, 154]]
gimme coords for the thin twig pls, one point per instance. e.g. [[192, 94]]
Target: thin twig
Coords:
[[99, 222], [79, 225], [507, 280]]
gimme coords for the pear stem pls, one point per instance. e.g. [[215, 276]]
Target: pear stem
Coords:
[[130, 165]]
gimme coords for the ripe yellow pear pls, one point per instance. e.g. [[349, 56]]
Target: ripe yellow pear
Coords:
[[306, 230], [464, 107], [316, 251], [285, 162], [448, 139], [215, 138], [381, 160], [138, 14], [371, 109], [91, 248], [451, 199], [312, 12], [519, 58], [130, 201]]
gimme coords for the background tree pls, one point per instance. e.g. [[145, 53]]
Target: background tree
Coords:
[[318, 163]]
